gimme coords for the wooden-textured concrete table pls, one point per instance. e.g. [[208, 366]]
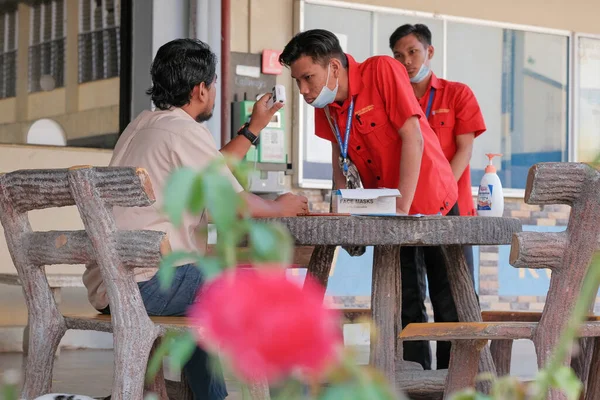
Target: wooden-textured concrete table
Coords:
[[387, 235]]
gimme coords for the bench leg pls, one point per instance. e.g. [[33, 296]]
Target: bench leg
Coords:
[[319, 266], [467, 305], [464, 364], [158, 385], [132, 348], [581, 361], [259, 391], [185, 392], [386, 303], [44, 338], [593, 389], [57, 298], [502, 354]]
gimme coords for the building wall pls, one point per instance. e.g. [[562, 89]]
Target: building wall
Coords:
[[92, 108], [81, 110]]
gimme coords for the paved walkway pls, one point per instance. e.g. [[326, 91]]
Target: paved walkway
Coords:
[[90, 372]]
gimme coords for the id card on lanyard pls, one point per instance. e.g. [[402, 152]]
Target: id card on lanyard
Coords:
[[343, 143]]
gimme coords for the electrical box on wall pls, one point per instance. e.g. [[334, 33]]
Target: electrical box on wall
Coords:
[[271, 142], [268, 159]]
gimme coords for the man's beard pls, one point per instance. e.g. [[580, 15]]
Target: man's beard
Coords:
[[203, 117]]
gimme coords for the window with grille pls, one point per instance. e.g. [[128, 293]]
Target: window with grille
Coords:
[[99, 39], [47, 45], [8, 53]]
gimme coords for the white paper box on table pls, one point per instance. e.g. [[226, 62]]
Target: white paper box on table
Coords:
[[365, 201]]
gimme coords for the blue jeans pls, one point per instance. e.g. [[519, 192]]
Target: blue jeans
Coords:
[[205, 383]]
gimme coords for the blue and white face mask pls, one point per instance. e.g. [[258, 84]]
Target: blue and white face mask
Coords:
[[327, 96], [422, 74]]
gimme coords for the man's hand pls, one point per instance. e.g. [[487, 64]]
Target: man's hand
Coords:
[[262, 114], [400, 207], [410, 162], [292, 205]]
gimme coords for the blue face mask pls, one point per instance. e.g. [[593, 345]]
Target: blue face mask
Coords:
[[327, 96], [422, 74]]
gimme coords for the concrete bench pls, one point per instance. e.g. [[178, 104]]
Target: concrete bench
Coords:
[[568, 255], [94, 191], [56, 282]]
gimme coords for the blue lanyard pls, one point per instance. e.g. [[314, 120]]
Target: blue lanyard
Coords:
[[344, 144], [430, 102]]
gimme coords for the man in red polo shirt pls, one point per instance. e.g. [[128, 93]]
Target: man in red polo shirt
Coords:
[[454, 115], [379, 135]]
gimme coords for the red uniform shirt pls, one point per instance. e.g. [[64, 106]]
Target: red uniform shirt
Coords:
[[383, 101], [454, 112]]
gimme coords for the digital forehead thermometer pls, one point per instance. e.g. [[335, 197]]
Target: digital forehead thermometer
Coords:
[[277, 95]]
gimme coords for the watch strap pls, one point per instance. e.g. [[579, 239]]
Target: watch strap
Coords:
[[245, 131]]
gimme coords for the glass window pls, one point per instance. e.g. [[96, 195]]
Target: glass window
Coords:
[[99, 40], [520, 79], [388, 23], [47, 46], [588, 139], [354, 29], [522, 91]]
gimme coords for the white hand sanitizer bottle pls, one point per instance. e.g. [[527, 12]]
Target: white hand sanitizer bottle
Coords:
[[490, 199]]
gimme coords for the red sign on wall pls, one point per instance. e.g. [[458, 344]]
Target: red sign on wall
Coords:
[[270, 62]]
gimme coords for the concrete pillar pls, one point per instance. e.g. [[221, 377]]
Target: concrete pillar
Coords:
[[153, 26], [22, 85], [208, 29]]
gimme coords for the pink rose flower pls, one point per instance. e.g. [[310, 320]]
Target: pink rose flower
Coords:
[[266, 326]]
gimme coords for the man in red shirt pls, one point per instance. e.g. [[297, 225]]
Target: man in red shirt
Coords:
[[454, 115], [377, 129]]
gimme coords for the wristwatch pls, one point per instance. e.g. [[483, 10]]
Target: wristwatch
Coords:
[[245, 131]]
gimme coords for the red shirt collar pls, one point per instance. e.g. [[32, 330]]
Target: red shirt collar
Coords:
[[435, 82]]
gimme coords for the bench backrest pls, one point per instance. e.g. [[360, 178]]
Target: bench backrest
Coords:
[[567, 254]]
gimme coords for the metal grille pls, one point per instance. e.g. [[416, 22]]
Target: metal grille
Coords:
[[8, 53], [47, 47], [99, 40]]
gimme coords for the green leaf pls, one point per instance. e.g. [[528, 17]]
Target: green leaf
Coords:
[[221, 200], [178, 190], [178, 346], [290, 389], [9, 392], [241, 171], [196, 197], [357, 391], [166, 270], [211, 267], [155, 363], [270, 242], [181, 350], [467, 394], [565, 379]]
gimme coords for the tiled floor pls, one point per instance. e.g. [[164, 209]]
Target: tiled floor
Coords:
[[90, 371]]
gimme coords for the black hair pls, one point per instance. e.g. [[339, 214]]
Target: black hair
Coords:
[[178, 67], [422, 33], [319, 44]]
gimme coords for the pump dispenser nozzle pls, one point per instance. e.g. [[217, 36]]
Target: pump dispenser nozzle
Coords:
[[490, 167]]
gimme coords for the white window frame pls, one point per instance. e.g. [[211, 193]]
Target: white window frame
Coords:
[[95, 29], [299, 113], [15, 46], [53, 37], [575, 92]]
